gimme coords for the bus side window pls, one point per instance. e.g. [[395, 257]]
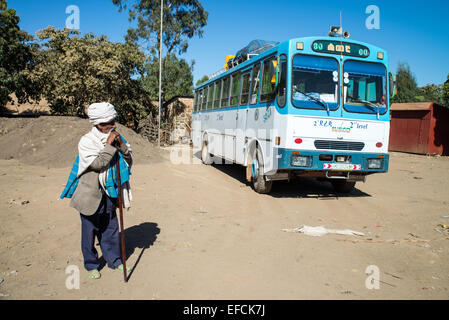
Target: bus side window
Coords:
[[255, 84], [282, 83], [245, 89], [203, 105], [217, 94], [210, 96], [200, 97], [195, 98], [268, 87], [203, 99], [235, 89], [225, 93]]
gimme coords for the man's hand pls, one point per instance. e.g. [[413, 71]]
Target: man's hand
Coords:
[[114, 136]]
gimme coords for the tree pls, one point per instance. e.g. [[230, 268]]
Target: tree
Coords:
[[406, 84], [430, 92], [445, 93], [73, 72], [203, 79], [177, 79], [182, 20], [16, 53]]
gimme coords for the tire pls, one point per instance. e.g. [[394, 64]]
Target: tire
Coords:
[[259, 182], [343, 186], [205, 154]]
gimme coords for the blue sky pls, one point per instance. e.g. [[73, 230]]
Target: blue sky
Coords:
[[410, 31]]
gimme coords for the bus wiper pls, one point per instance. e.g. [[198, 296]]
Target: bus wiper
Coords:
[[370, 105], [321, 102]]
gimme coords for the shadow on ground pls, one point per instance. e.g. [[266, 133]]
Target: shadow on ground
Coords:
[[296, 188], [140, 237]]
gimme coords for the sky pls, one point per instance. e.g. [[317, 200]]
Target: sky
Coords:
[[415, 32]]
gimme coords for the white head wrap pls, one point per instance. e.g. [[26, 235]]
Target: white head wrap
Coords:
[[101, 112]]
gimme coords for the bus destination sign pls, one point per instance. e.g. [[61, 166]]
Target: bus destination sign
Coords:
[[340, 47]]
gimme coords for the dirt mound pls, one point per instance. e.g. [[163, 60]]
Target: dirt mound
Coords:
[[52, 142]]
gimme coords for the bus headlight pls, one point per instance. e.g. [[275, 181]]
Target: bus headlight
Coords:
[[375, 163], [301, 161]]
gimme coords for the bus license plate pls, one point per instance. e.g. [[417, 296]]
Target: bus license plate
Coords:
[[342, 166]]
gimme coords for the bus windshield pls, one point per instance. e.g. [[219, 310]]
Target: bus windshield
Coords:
[[365, 87], [315, 82]]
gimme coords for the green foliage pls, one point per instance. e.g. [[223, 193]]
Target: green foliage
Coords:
[[431, 92], [406, 85], [16, 53], [445, 93], [408, 90], [177, 79], [73, 71], [3, 5], [182, 20], [203, 79]]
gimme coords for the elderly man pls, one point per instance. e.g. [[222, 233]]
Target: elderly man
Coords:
[[94, 190]]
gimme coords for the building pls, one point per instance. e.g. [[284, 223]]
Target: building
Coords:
[[176, 121], [420, 127]]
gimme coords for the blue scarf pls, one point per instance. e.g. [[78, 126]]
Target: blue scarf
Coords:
[[111, 182]]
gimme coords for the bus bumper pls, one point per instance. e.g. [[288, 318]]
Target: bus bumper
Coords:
[[331, 163]]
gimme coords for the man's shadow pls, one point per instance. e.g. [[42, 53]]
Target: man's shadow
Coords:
[[142, 236]]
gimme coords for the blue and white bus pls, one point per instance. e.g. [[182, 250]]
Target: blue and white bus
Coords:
[[306, 107]]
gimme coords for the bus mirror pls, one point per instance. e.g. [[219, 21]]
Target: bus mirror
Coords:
[[392, 84]]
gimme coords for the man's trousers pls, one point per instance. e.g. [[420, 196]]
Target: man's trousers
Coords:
[[104, 225]]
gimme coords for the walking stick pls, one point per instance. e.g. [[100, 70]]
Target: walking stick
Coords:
[[120, 205]]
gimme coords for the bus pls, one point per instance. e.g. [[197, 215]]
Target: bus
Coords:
[[306, 107]]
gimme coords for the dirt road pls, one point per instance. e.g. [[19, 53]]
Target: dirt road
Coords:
[[200, 232]]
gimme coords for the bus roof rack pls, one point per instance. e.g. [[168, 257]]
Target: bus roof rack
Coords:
[[216, 73], [254, 48]]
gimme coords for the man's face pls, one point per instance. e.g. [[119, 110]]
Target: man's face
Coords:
[[107, 126]]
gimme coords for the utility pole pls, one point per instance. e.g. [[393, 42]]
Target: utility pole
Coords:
[[160, 80]]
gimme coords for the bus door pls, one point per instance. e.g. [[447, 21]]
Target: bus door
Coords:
[[241, 116]]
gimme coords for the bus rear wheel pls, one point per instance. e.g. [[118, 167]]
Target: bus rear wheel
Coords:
[[259, 182], [343, 186]]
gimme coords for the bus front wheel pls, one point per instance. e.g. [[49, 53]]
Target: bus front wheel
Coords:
[[259, 182], [343, 186], [205, 154]]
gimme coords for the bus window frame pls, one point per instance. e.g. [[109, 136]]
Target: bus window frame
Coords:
[[269, 58], [387, 108], [195, 97], [232, 76], [218, 85], [338, 84], [204, 102], [210, 86], [286, 82], [227, 77], [244, 73], [252, 81], [200, 99]]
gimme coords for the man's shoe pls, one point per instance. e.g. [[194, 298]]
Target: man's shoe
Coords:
[[120, 268], [94, 274]]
